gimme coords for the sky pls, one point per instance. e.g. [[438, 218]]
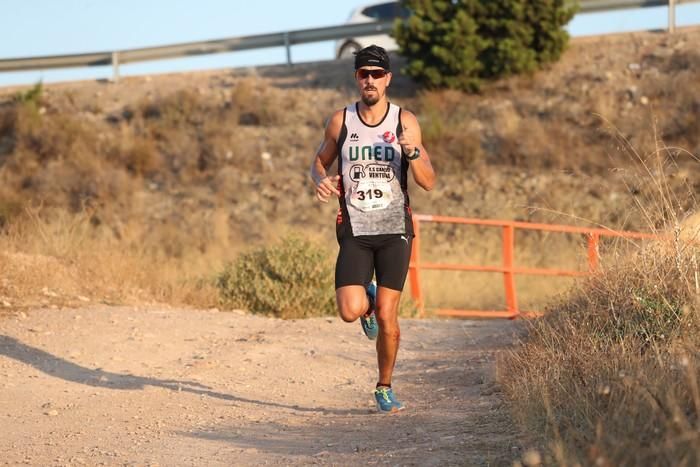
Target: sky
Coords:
[[52, 27]]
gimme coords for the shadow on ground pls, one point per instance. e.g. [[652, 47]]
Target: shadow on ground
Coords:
[[58, 367]]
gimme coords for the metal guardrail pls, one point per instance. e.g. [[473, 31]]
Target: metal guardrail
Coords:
[[286, 39], [281, 39]]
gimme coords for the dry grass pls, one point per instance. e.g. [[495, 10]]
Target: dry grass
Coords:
[[610, 376], [65, 260]]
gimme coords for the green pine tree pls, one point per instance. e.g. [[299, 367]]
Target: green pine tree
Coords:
[[458, 43]]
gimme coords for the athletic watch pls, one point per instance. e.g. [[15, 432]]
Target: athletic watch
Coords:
[[415, 155]]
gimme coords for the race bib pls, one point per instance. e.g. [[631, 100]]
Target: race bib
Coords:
[[371, 195]]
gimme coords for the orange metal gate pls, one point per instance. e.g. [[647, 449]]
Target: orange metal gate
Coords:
[[508, 267]]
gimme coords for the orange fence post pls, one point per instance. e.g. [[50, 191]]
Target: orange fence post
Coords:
[[414, 268], [593, 253], [508, 266]]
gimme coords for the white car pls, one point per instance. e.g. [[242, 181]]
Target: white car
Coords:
[[345, 48]]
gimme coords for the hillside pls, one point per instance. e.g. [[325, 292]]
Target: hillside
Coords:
[[196, 167]]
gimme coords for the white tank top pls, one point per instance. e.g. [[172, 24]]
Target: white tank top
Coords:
[[373, 174]]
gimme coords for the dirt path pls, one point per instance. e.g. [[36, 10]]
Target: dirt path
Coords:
[[120, 386]]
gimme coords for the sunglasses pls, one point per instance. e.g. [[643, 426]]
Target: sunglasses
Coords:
[[375, 74]]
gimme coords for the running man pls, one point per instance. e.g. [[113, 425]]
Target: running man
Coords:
[[375, 142]]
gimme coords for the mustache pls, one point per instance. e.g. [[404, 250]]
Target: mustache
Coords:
[[370, 88]]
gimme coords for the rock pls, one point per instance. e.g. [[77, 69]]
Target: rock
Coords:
[[48, 293]]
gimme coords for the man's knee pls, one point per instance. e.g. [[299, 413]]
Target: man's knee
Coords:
[[348, 316], [351, 309], [388, 324], [388, 310]]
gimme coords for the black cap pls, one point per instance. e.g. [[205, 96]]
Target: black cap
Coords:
[[372, 55]]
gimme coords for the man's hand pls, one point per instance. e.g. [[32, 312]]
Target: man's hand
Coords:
[[326, 187], [407, 140]]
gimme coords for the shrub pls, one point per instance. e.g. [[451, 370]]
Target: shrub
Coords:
[[10, 207], [682, 93], [257, 103], [610, 375], [291, 279], [31, 97], [622, 351], [141, 157], [455, 142], [179, 109], [458, 44]]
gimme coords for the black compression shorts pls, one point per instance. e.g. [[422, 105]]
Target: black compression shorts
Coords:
[[387, 255]]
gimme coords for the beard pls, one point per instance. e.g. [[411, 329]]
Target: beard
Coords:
[[370, 100]]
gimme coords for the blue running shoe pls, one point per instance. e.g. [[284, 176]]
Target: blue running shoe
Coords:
[[369, 323], [386, 400]]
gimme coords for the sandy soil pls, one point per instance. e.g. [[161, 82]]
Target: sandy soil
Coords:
[[157, 386]]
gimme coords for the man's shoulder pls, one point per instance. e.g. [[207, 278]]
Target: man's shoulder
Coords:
[[337, 116], [335, 121], [407, 115], [404, 110]]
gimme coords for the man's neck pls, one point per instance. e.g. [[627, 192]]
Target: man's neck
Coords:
[[373, 114]]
